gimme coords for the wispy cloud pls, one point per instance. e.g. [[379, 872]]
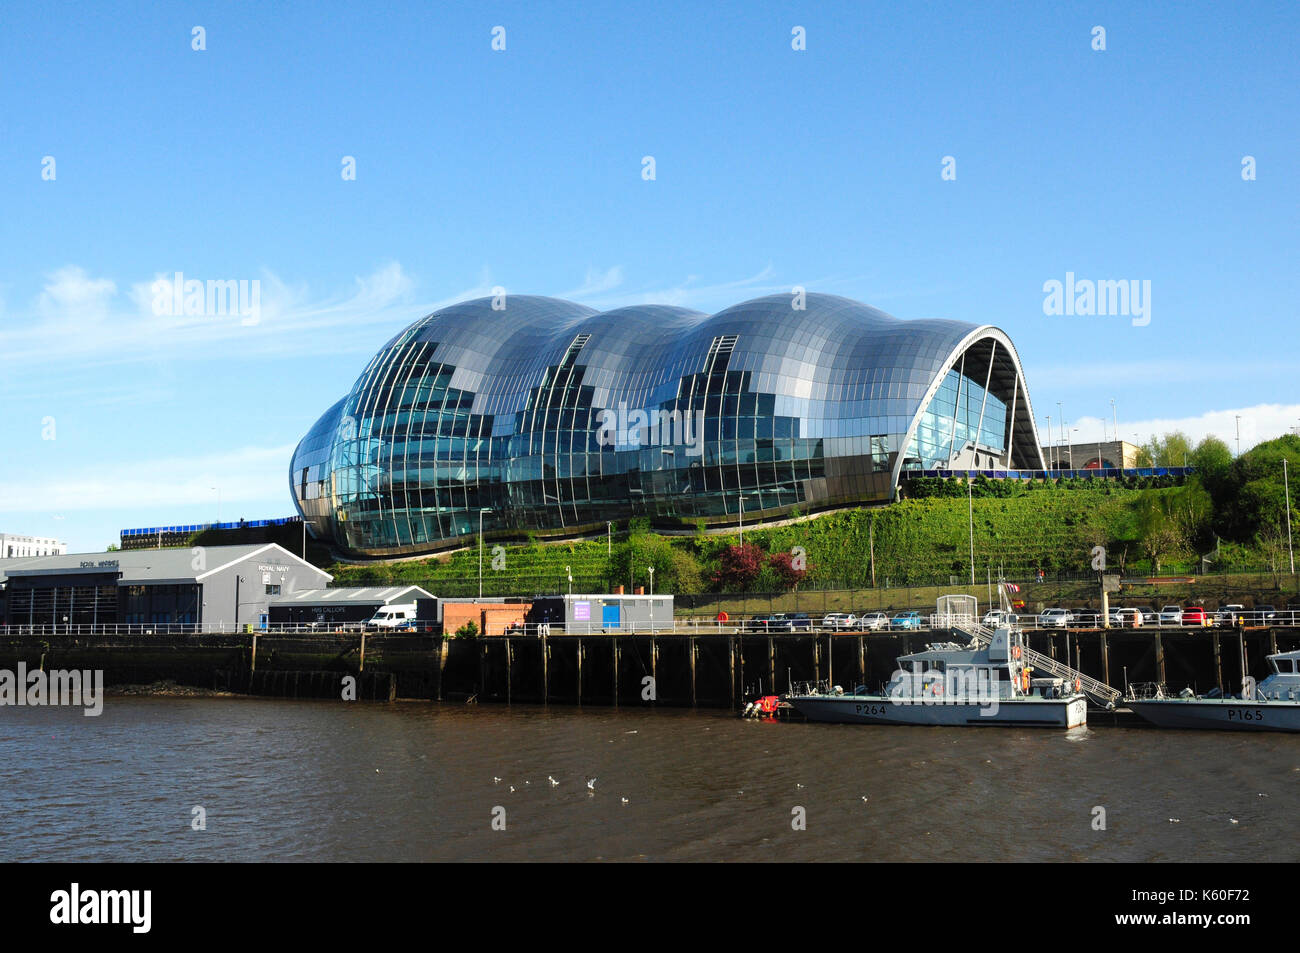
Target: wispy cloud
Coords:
[[596, 282], [86, 319]]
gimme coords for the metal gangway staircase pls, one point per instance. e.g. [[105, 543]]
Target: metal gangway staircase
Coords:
[[1098, 692]]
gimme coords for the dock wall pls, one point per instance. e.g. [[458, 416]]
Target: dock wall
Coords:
[[706, 670]]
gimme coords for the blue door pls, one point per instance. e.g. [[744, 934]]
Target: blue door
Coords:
[[609, 618]]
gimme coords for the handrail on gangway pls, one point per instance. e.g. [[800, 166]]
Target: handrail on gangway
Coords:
[[1098, 691]]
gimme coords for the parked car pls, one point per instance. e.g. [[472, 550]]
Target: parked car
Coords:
[[772, 622], [1054, 618], [906, 620], [1262, 615], [1229, 614], [871, 621], [1085, 618], [1149, 615], [1194, 615], [1125, 618], [799, 620], [839, 621], [997, 617], [1171, 615]]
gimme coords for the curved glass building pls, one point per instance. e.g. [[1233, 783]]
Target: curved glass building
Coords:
[[546, 416]]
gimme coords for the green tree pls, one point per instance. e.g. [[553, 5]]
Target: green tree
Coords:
[[1171, 450], [675, 569], [1160, 532], [1250, 496], [1211, 456]]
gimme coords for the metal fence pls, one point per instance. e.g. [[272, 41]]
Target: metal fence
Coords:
[[773, 624]]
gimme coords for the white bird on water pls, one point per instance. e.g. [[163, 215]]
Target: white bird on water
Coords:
[[512, 789], [554, 783], [625, 801], [496, 780], [591, 784]]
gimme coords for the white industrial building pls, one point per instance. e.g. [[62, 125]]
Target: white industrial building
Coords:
[[13, 546]]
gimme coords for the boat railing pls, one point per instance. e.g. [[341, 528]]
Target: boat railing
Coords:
[[1142, 691], [819, 687]]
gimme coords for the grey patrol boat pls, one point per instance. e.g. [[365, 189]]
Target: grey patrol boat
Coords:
[[988, 682], [1272, 705]]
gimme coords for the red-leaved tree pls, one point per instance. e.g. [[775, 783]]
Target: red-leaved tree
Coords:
[[788, 573], [738, 566]]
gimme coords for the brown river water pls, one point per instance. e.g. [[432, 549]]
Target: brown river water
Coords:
[[414, 781]]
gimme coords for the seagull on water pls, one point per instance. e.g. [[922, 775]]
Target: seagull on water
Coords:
[[625, 801], [496, 780], [554, 783], [591, 784]]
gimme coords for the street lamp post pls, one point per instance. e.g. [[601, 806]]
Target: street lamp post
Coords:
[[1050, 461], [970, 510], [480, 555], [1060, 420], [1286, 483], [652, 597], [742, 518], [609, 538], [568, 571], [1238, 434]]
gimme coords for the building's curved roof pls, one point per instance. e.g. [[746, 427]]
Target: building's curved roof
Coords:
[[834, 349]]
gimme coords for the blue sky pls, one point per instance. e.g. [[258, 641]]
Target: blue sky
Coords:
[[522, 168]]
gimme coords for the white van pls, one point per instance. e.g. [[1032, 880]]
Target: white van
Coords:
[[400, 616]]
